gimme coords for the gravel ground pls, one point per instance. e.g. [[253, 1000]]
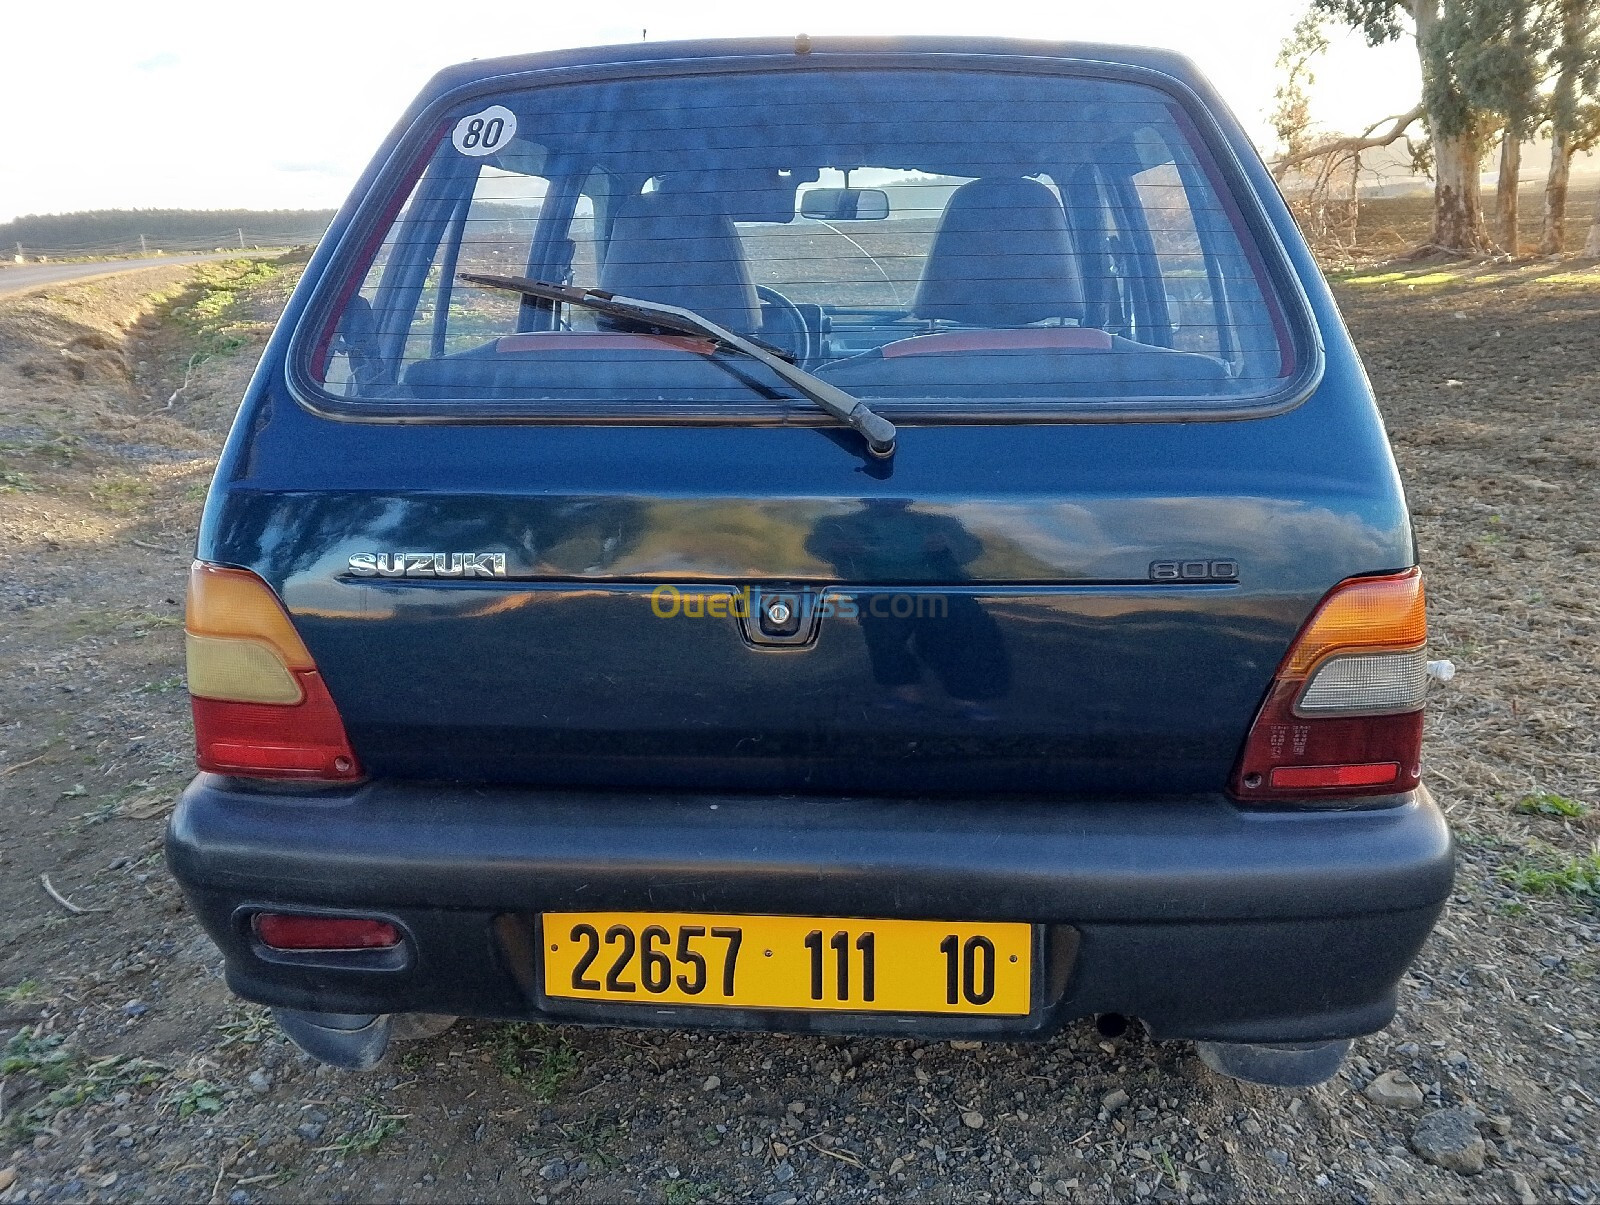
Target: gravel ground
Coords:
[[130, 1073]]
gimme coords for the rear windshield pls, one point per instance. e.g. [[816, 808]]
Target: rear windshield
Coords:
[[933, 240]]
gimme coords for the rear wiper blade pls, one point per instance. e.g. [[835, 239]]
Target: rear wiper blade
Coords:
[[878, 431]]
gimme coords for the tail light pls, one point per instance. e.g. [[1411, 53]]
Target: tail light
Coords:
[[1344, 715], [260, 707]]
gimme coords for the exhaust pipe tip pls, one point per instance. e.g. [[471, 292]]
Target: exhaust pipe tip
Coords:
[[1111, 1025]]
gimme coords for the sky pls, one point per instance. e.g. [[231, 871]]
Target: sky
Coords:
[[168, 103]]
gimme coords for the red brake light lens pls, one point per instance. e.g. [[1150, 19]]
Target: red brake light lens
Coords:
[[281, 931]]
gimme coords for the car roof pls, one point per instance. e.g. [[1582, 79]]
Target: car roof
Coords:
[[821, 49]]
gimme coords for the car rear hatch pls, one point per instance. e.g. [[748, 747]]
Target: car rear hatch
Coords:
[[525, 544], [1101, 615]]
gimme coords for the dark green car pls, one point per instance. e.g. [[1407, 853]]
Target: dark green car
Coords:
[[855, 536]]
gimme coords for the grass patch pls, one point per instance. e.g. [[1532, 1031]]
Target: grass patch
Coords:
[[217, 317], [134, 801], [1406, 278], [538, 1058], [593, 1138], [43, 1056], [137, 620], [201, 1096], [66, 1077], [686, 1192], [122, 494], [1549, 804], [1578, 877], [56, 452], [129, 622], [364, 1142], [105, 810], [1591, 279], [19, 992], [247, 1026]]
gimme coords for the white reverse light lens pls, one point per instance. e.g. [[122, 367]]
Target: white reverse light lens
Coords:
[[1367, 684], [238, 671]]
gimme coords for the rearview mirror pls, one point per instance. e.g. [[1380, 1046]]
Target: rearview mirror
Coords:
[[845, 204]]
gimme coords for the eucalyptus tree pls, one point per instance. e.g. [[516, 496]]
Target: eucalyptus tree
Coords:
[[1499, 52], [1480, 63], [1574, 111]]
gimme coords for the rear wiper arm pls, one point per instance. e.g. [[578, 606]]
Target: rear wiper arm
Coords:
[[878, 431]]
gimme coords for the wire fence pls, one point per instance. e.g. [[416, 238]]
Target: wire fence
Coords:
[[238, 238]]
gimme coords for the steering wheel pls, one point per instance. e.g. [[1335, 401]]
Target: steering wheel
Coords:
[[797, 339]]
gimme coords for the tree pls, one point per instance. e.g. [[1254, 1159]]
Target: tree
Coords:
[[1316, 168], [1291, 112], [1499, 55], [1395, 128], [1460, 45], [1574, 109], [1321, 172]]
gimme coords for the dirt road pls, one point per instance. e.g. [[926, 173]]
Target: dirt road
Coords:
[[131, 1073]]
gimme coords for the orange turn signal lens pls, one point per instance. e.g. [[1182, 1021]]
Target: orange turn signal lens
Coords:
[[1364, 614], [236, 604]]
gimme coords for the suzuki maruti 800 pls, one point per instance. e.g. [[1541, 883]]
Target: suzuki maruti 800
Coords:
[[881, 537]]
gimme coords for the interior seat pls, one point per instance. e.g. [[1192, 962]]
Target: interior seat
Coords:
[[1002, 256], [669, 247], [1003, 259], [665, 246]]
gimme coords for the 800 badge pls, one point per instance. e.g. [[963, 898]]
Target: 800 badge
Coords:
[[1194, 571]]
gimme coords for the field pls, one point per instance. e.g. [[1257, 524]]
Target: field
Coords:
[[1388, 226], [130, 1073]]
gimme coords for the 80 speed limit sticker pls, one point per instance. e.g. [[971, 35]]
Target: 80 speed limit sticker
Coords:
[[479, 134]]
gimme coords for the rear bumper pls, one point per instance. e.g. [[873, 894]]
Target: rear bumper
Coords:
[[1201, 919]]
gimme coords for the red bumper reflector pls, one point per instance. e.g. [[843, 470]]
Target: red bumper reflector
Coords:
[[283, 932], [1371, 774]]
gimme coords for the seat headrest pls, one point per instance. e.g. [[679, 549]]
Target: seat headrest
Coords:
[[668, 247], [1003, 256]]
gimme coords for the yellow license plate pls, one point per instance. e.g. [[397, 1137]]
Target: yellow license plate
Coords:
[[789, 962]]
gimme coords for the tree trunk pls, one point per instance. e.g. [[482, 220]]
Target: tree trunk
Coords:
[[1457, 194], [1555, 195], [1506, 192], [1563, 123]]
